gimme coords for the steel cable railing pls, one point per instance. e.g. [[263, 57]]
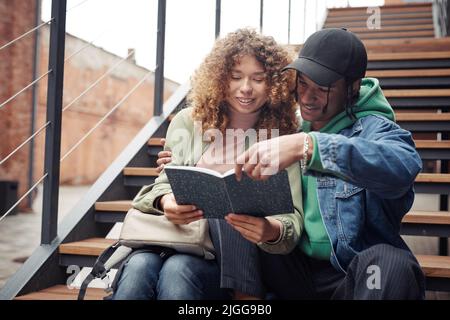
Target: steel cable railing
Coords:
[[23, 197], [25, 34], [23, 90], [40, 130], [69, 105], [77, 5], [55, 110], [24, 143], [107, 115], [81, 140], [38, 27], [77, 144], [49, 71], [109, 71], [87, 45]]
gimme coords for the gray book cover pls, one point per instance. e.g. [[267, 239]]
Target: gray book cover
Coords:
[[217, 194]]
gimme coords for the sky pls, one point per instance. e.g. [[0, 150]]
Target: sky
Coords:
[[119, 25]]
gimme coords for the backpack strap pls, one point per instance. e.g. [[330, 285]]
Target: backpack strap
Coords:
[[113, 255]]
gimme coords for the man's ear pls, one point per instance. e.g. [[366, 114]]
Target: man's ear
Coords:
[[355, 87]]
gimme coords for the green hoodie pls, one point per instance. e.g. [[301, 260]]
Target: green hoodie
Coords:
[[315, 241]]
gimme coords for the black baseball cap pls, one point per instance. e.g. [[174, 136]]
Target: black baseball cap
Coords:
[[331, 54]]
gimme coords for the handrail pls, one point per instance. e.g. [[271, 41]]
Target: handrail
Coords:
[[159, 70]]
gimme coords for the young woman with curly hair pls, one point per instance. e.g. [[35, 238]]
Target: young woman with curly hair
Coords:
[[239, 86]]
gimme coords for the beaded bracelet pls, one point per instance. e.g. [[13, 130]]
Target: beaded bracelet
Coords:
[[304, 160]]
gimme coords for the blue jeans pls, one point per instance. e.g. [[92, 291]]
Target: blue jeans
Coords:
[[181, 277]]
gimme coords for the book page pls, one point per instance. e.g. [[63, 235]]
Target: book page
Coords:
[[260, 198]]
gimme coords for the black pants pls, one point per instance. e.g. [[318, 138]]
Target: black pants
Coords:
[[381, 272]]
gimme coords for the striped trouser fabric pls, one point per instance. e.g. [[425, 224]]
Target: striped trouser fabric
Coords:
[[381, 272], [238, 259]]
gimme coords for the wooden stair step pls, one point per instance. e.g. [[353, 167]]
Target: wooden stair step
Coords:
[[113, 206], [393, 28], [402, 45], [402, 56], [407, 45], [87, 247], [422, 178], [139, 177], [420, 7], [433, 266], [433, 178], [138, 171], [385, 17], [155, 142], [415, 93], [432, 144], [403, 34], [418, 116], [427, 217], [420, 73], [388, 22], [62, 292]]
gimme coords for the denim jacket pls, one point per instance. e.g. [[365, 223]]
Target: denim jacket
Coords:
[[363, 201]]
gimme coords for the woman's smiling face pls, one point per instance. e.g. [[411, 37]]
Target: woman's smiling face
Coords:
[[247, 91]]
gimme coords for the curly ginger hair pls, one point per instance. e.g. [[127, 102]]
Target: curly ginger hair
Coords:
[[210, 81]]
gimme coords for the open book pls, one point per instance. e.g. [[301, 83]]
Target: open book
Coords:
[[217, 194]]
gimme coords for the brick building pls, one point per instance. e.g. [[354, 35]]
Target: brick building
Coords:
[[92, 157]]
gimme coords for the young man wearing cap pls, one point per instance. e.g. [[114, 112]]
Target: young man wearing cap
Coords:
[[358, 173]]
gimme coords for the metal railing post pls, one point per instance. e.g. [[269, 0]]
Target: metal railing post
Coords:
[[160, 46], [289, 23], [261, 16], [304, 20], [218, 15], [35, 99], [54, 115]]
